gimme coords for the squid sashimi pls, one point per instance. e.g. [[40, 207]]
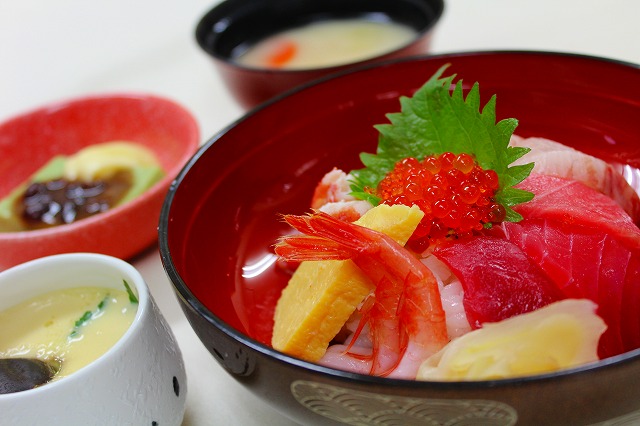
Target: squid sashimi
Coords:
[[555, 159], [517, 285]]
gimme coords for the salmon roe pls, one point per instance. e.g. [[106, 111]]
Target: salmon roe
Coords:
[[454, 192]]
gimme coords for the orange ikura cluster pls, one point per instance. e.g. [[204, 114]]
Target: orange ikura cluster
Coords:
[[454, 192]]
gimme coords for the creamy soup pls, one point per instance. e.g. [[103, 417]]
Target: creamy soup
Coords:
[[327, 43], [72, 326]]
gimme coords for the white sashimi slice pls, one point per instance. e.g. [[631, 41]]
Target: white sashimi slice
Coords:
[[452, 295], [349, 211], [556, 159], [337, 357], [452, 302]]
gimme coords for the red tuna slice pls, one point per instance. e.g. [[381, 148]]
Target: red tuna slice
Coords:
[[498, 278], [584, 262], [589, 247], [556, 159], [570, 202]]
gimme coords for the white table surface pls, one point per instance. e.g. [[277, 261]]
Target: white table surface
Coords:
[[53, 50]]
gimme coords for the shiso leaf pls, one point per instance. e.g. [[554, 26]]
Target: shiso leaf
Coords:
[[436, 120]]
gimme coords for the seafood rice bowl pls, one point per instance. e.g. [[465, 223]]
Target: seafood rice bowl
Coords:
[[443, 239]]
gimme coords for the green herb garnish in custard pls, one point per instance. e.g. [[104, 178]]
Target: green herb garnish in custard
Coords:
[[132, 297], [88, 316]]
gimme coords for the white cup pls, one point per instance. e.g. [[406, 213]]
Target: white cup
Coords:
[[141, 380]]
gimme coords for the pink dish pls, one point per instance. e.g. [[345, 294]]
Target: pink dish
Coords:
[[30, 140]]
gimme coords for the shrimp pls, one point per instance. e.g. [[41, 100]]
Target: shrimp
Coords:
[[404, 313]]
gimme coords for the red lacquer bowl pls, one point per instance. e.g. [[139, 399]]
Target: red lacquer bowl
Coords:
[[29, 141], [220, 220]]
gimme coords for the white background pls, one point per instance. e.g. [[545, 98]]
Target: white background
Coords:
[[52, 50]]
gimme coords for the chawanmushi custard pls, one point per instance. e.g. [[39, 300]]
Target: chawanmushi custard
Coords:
[[68, 189], [67, 328]]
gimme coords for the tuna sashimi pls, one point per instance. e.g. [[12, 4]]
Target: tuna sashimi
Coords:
[[498, 278], [588, 263], [574, 242], [553, 158], [589, 247], [571, 202]]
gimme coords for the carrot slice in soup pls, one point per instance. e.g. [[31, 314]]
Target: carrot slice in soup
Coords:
[[283, 53]]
